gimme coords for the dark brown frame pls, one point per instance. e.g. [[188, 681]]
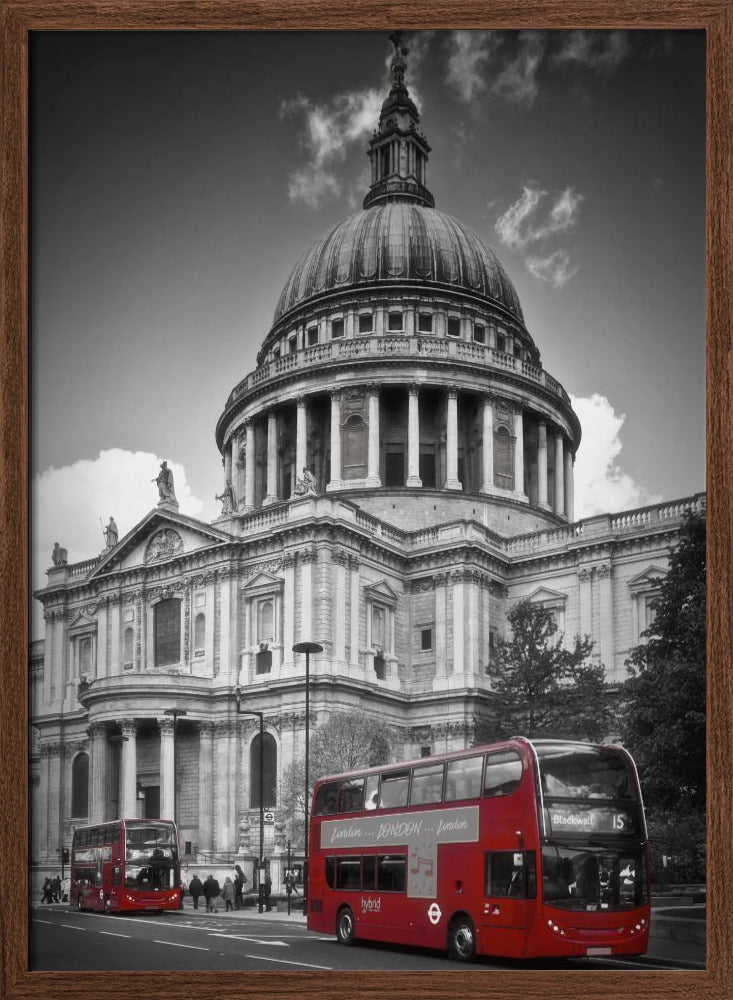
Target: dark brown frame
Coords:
[[18, 17]]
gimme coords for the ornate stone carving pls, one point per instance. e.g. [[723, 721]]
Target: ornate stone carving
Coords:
[[340, 557], [167, 724], [163, 545]]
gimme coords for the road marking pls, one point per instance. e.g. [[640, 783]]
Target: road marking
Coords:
[[73, 927], [283, 961], [35, 920], [113, 934], [240, 937], [175, 944]]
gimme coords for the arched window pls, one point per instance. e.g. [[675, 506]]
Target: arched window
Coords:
[[269, 775], [378, 627], [80, 786], [128, 647], [168, 631], [265, 621], [354, 447], [199, 634], [503, 458]]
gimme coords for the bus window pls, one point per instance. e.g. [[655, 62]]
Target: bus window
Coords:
[[463, 778], [325, 804], [503, 772], [427, 784], [371, 797], [511, 873], [330, 872], [348, 873], [351, 797], [391, 873], [394, 789], [369, 879]]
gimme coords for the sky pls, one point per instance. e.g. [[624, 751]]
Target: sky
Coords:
[[177, 177]]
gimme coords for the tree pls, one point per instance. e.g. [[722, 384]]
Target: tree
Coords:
[[663, 720], [542, 689], [346, 742]]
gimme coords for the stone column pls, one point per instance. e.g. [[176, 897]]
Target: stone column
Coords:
[[472, 620], [288, 567], [116, 631], [128, 769], [98, 772], [335, 483], [542, 466], [569, 486], [605, 608], [440, 581], [559, 475], [54, 798], [413, 438], [228, 448], [167, 768], [227, 660], [518, 452], [451, 444], [224, 767], [373, 454], [487, 447], [338, 597], [206, 786], [40, 819], [584, 602], [301, 423], [249, 466], [271, 492], [307, 577], [459, 631]]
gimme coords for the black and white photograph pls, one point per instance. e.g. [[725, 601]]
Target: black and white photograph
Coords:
[[367, 501]]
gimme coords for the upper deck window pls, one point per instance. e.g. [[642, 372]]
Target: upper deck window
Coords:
[[463, 778], [584, 772], [394, 789], [326, 798], [503, 772]]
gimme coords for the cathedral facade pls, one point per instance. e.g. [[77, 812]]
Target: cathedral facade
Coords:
[[398, 471]]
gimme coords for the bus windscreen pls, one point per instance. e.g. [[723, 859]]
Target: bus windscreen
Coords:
[[570, 771]]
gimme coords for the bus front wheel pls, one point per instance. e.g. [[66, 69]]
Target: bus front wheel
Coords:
[[462, 939], [107, 906], [78, 903], [345, 926]]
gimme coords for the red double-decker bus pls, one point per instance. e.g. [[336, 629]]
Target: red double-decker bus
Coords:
[[127, 864], [521, 849]]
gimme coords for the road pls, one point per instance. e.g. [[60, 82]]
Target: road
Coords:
[[66, 940]]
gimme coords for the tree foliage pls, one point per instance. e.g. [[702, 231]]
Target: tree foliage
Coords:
[[347, 741], [663, 721], [542, 689]]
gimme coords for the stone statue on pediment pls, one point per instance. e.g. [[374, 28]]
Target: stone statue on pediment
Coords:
[[59, 556]]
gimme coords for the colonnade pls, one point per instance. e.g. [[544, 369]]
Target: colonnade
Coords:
[[495, 414]]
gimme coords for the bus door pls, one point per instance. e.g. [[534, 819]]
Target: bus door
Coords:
[[510, 901]]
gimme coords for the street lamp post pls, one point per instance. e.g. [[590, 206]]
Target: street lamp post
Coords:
[[175, 714], [307, 648], [261, 862]]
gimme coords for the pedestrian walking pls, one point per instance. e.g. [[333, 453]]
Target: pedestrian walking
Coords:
[[212, 889], [196, 888], [228, 894], [46, 896], [56, 889], [240, 880], [267, 890]]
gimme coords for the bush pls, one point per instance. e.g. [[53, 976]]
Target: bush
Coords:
[[678, 848]]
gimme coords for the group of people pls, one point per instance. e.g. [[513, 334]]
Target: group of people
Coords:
[[52, 890], [232, 892]]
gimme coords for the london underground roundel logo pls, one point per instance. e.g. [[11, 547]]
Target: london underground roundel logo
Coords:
[[434, 913]]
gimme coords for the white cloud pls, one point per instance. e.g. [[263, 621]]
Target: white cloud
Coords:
[[329, 130], [469, 55], [600, 484], [600, 51], [517, 82], [527, 224], [71, 504], [555, 269]]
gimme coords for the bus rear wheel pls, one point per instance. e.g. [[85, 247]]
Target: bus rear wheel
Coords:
[[462, 939], [107, 906], [345, 926], [78, 903]]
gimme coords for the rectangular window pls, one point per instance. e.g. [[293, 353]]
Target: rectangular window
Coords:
[[369, 872], [479, 333], [337, 329], [463, 779], [348, 873], [425, 323], [292, 345], [371, 797], [325, 804], [503, 772], [425, 751], [393, 792], [276, 353], [351, 798], [501, 343], [454, 327], [511, 873], [427, 784], [312, 336], [167, 618], [391, 873], [264, 661], [394, 468], [366, 322], [426, 639], [427, 469], [395, 322]]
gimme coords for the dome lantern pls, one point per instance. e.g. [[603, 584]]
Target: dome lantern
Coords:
[[398, 151]]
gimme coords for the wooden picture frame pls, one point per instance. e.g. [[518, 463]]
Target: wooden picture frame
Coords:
[[19, 17]]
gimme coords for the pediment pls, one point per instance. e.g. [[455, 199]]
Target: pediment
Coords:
[[544, 595], [649, 579], [160, 537], [82, 623], [264, 582], [382, 590]]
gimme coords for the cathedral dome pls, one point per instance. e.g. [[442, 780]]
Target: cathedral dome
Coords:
[[398, 242]]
